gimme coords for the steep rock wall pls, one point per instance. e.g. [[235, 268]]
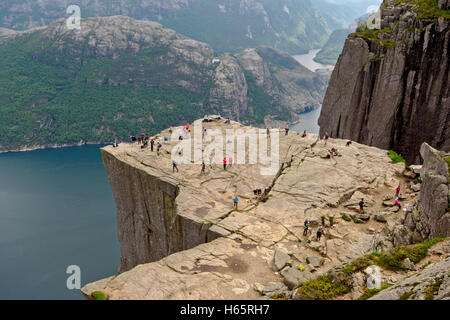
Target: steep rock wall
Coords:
[[149, 226], [390, 87], [434, 195]]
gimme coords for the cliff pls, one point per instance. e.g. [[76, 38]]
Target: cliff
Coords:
[[431, 217], [117, 76], [181, 238], [390, 88]]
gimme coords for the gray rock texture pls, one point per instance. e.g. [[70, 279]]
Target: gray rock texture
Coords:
[[434, 280], [211, 251], [390, 88], [434, 192]]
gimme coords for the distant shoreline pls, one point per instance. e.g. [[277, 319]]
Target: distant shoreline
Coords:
[[44, 147]]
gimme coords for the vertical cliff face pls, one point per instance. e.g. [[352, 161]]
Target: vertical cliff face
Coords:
[[390, 87], [149, 226], [434, 197]]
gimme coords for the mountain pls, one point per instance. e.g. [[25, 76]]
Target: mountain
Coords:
[[118, 76], [390, 87], [330, 52], [295, 26], [344, 12]]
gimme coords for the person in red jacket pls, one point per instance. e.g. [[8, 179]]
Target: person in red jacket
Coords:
[[224, 163], [397, 191]]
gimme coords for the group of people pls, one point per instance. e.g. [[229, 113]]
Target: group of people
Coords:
[[144, 140], [319, 232]]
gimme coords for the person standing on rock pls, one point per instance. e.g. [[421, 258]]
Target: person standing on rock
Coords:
[[286, 130], [397, 191], [158, 148], [224, 163], [325, 137], [203, 169], [319, 233], [236, 202], [230, 161], [174, 166], [361, 206], [152, 144], [305, 229], [397, 203]]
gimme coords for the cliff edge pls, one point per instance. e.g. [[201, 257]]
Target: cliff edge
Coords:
[[390, 87], [181, 238]]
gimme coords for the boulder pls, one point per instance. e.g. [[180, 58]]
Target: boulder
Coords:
[[274, 287], [410, 174], [417, 169], [402, 236], [280, 259], [293, 277], [363, 217], [434, 193], [416, 187], [315, 261], [408, 264], [382, 217]]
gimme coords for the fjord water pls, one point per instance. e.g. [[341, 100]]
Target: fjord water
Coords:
[[308, 122], [56, 210]]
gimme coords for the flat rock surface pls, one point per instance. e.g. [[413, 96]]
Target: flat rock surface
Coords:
[[231, 266]]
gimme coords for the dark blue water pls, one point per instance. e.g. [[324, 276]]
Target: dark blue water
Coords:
[[56, 210]]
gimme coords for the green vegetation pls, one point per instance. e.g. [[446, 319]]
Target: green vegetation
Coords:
[[54, 96], [98, 295], [48, 97], [356, 220], [324, 288], [395, 157], [261, 104], [230, 28], [380, 36], [369, 293], [406, 295], [330, 52], [393, 259], [433, 289], [376, 58], [279, 296], [345, 217], [427, 9]]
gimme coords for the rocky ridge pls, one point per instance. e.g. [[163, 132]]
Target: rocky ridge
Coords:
[[390, 87], [203, 249], [294, 26], [123, 65]]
